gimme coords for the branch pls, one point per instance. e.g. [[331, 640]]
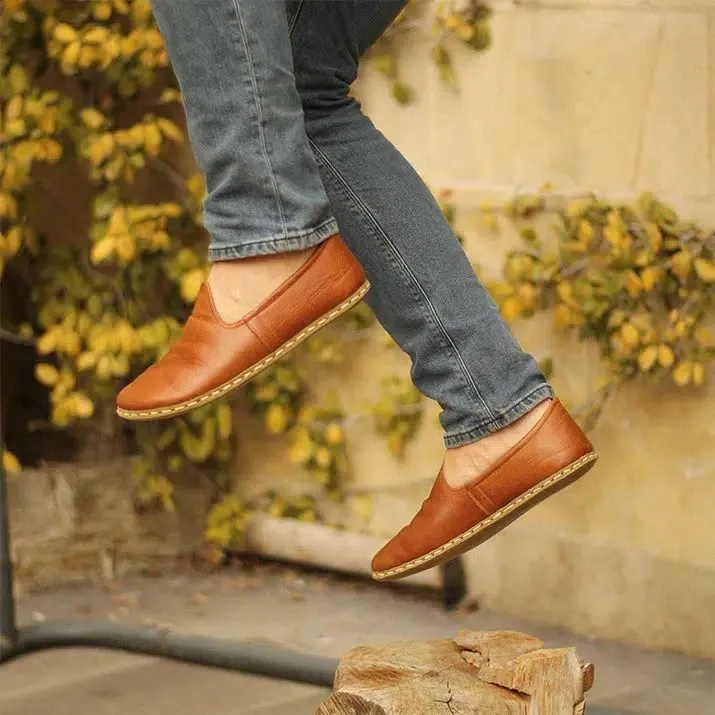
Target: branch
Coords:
[[9, 337]]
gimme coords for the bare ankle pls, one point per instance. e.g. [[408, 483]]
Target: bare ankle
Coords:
[[241, 285], [465, 463]]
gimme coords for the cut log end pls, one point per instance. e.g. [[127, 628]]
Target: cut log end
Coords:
[[500, 673]]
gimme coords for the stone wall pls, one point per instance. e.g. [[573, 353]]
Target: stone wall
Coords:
[[81, 523], [615, 97]]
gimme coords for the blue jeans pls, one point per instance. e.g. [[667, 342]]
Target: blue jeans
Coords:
[[290, 159]]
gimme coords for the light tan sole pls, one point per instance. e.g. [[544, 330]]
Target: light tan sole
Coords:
[[236, 382], [493, 524]]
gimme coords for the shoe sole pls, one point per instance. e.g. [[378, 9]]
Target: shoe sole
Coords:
[[493, 524], [246, 375]]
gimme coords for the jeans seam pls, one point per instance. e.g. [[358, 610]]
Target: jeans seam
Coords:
[[259, 110], [296, 240], [295, 18], [431, 312]]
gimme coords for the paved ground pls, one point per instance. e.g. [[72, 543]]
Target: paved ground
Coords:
[[321, 614]]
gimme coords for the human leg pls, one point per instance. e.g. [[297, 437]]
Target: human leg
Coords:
[[425, 293], [275, 279]]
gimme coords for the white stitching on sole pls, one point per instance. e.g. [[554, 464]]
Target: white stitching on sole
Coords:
[[496, 516], [248, 374]]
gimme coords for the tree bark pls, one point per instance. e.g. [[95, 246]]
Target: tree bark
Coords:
[[499, 673]]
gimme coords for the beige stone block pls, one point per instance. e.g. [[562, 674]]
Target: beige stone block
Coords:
[[675, 147], [470, 135], [406, 126], [583, 82], [574, 98], [597, 588]]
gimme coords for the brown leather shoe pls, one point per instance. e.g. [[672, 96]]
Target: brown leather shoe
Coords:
[[554, 454], [211, 358]]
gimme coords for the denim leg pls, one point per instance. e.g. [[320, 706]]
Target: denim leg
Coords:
[[234, 65], [424, 290]]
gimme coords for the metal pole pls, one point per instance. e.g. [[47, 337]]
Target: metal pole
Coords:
[[8, 623]]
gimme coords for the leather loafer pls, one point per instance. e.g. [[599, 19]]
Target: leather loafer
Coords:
[[554, 454], [211, 358]]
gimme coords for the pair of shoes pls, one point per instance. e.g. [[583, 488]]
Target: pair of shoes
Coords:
[[212, 358]]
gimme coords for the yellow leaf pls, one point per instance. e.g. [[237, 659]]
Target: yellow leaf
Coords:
[[48, 342], [683, 373], [616, 318], [13, 240], [698, 374], [169, 129], [71, 343], [100, 149], [96, 35], [277, 417], [88, 56], [630, 335], [634, 285], [563, 316], [665, 355], [18, 79], [86, 361], [102, 11], [191, 284], [323, 457], [8, 205], [92, 117], [565, 291], [15, 127], [126, 248], [224, 418], [104, 368], [102, 249], [647, 358], [118, 221], [705, 270], [10, 462], [83, 406], [511, 308], [703, 336], [655, 238], [680, 263], [585, 231], [650, 276], [152, 139], [46, 374], [64, 33], [614, 235], [70, 56], [14, 107], [334, 433], [301, 450]]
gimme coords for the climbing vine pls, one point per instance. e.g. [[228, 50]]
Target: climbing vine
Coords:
[[634, 280]]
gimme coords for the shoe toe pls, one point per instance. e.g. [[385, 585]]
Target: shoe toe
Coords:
[[394, 553], [148, 391]]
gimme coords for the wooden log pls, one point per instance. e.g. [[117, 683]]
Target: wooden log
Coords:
[[499, 673]]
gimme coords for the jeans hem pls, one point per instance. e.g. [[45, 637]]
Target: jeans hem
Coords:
[[510, 415], [296, 241]]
